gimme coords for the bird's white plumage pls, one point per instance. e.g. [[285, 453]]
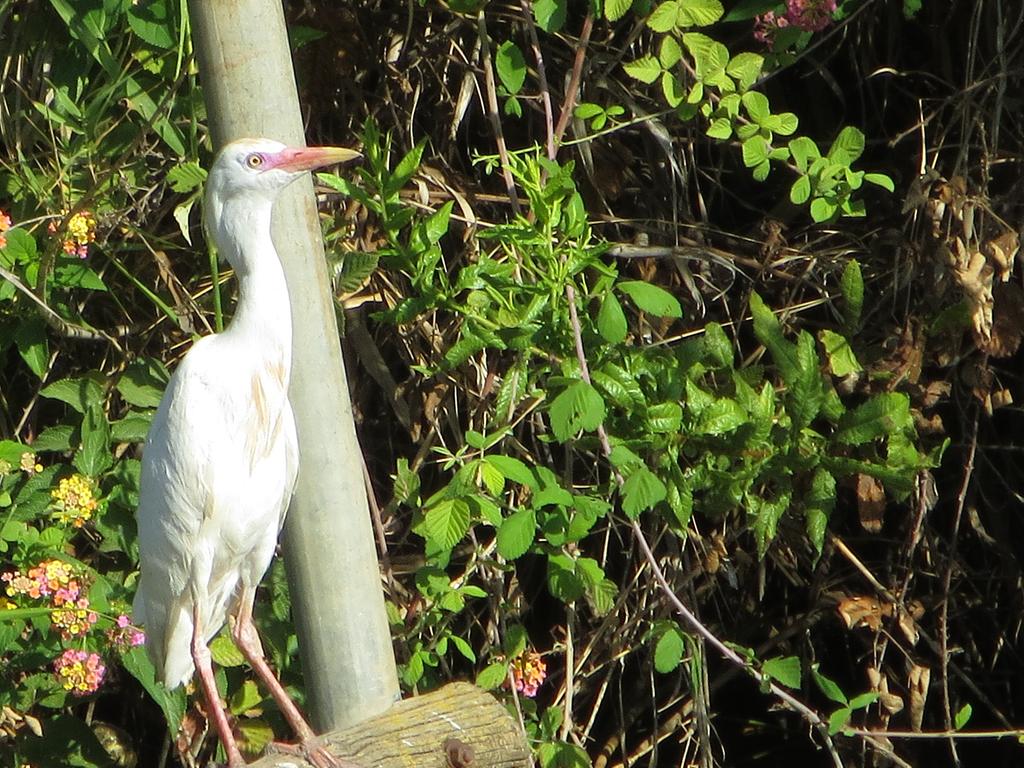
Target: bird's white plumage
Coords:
[[220, 462]]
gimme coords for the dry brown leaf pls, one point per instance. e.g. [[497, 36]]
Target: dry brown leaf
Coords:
[[1002, 251], [908, 627], [1007, 320], [870, 503], [891, 703], [917, 683], [864, 611]]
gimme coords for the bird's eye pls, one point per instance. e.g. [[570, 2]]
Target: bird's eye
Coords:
[[254, 161]]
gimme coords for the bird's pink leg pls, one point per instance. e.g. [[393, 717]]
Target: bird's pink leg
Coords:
[[201, 657], [248, 641]]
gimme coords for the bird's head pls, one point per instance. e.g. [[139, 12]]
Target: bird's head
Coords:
[[259, 168]]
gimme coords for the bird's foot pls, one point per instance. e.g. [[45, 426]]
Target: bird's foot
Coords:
[[313, 751]]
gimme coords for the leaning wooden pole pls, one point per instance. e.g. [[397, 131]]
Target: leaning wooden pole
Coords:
[[249, 86]]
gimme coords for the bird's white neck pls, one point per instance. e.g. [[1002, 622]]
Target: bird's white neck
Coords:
[[241, 231]]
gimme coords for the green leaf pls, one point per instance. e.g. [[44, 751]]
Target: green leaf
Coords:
[[818, 505], [172, 703], [642, 490], [769, 333], [30, 338], [142, 383], [563, 583], [511, 66], [665, 418], [841, 358], [665, 16], [492, 676], [828, 687], [881, 180], [672, 89], [848, 146], [669, 53], [513, 469], [783, 670], [578, 407], [757, 106], [800, 192], [550, 14], [611, 320], [838, 720], [963, 716], [745, 68], [186, 177], [244, 698], [80, 393], [822, 210], [646, 69], [852, 287], [668, 651], [721, 417], [516, 533], [748, 9], [616, 9], [446, 523], [720, 128], [755, 151], [803, 150], [20, 249], [93, 458], [884, 414], [224, 652], [700, 13], [710, 58], [651, 298], [806, 392], [153, 23]]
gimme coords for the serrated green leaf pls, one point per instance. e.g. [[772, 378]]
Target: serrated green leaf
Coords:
[[186, 177], [563, 583], [611, 320], [30, 339], [669, 52], [515, 536], [803, 150], [142, 383], [246, 697], [642, 490], [224, 652], [769, 333], [665, 17], [720, 417], [492, 676], [838, 720], [511, 66], [668, 651], [852, 286], [578, 407], [818, 505], [513, 469], [651, 298], [710, 57], [646, 69], [79, 393], [446, 523], [665, 418], [672, 89], [828, 687], [700, 13], [884, 414], [745, 68], [783, 670], [806, 391], [616, 9]]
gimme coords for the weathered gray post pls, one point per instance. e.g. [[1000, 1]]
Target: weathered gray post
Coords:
[[249, 85]]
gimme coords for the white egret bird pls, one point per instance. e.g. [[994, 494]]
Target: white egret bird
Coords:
[[220, 461]]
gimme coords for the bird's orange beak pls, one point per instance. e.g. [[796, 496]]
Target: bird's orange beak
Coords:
[[297, 159]]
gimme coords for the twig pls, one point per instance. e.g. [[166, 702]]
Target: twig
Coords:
[[574, 79], [542, 78], [947, 579], [492, 112]]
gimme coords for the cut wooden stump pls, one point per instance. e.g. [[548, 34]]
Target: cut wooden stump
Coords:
[[458, 726]]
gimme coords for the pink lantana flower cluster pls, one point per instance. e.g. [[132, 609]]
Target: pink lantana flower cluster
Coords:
[[528, 672], [80, 672], [125, 635], [5, 224], [56, 580], [807, 15], [81, 232]]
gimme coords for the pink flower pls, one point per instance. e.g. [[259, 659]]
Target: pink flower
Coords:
[[810, 15], [80, 672], [125, 635], [528, 672]]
